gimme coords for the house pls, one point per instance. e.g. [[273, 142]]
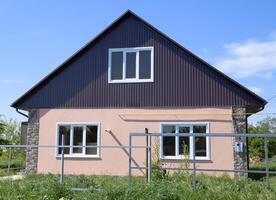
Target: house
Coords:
[[130, 77]]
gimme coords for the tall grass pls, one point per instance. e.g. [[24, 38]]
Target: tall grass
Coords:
[[17, 161], [107, 187]]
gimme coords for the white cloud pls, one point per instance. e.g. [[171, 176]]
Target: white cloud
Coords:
[[256, 90], [249, 58]]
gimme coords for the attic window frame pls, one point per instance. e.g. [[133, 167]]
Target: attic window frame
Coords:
[[125, 51]]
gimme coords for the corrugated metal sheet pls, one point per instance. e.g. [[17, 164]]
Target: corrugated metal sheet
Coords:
[[180, 78]]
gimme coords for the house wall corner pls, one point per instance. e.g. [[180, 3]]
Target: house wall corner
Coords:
[[240, 126], [32, 139]]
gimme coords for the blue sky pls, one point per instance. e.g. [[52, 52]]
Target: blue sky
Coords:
[[237, 37]]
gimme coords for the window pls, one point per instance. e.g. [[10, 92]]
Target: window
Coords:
[[129, 65], [177, 147], [77, 136]]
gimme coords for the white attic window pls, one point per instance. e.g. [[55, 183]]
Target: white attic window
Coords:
[[130, 65]]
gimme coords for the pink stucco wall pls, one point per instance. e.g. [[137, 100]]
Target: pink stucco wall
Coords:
[[122, 122]]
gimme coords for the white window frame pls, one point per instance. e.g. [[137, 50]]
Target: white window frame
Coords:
[[83, 125], [186, 124], [126, 50]]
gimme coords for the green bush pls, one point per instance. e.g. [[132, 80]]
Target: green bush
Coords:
[[256, 145], [157, 172]]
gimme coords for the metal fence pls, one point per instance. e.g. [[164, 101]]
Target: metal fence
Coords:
[[194, 170], [149, 147], [11, 149]]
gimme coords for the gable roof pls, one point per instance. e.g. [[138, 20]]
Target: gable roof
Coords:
[[112, 26]]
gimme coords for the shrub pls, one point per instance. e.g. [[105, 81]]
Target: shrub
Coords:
[[157, 171], [256, 145]]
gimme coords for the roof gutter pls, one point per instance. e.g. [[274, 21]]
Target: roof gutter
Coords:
[[21, 113], [261, 108]]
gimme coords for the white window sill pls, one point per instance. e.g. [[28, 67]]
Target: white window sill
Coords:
[[80, 156], [131, 81], [181, 158]]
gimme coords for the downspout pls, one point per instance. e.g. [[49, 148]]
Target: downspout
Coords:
[[21, 113]]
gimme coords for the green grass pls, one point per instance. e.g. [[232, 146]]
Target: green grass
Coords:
[[17, 162], [5, 173], [107, 187], [261, 166]]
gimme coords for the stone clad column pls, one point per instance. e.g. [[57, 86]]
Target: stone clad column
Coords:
[[240, 126], [32, 139]]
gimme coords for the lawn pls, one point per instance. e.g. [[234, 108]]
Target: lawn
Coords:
[[107, 187]]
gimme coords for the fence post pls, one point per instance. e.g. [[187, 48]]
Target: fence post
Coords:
[[62, 160], [147, 152], [266, 165], [129, 161], [149, 160], [194, 164], [9, 159]]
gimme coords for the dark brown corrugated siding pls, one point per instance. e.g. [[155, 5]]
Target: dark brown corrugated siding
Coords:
[[180, 79]]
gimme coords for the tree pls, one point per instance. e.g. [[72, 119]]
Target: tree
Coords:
[[9, 131], [10, 134], [256, 145], [2, 128]]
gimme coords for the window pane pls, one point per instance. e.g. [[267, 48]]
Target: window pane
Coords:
[[116, 65], [169, 129], [184, 142], [200, 142], [77, 140], [169, 141], [199, 129], [200, 146], [144, 64], [131, 65], [91, 139], [64, 130]]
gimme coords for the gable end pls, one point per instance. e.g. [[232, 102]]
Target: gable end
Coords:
[[182, 79]]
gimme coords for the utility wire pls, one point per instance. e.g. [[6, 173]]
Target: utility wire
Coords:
[[271, 98]]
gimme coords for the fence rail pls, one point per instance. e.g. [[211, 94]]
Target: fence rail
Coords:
[[194, 170], [149, 149], [62, 155]]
